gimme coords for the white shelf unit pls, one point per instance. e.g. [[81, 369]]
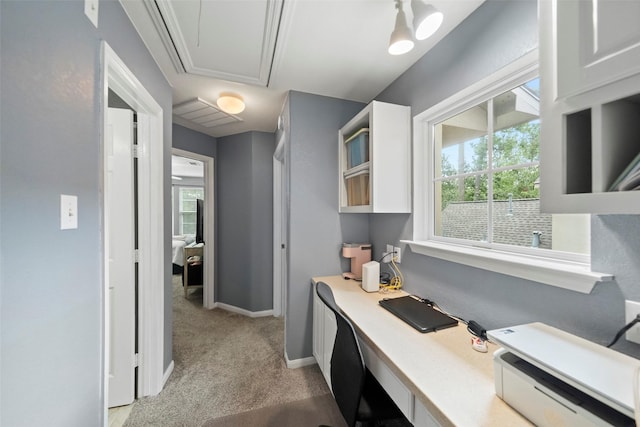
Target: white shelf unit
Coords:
[[388, 187], [590, 124]]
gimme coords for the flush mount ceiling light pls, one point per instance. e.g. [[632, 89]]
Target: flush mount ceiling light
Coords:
[[230, 103], [401, 38], [426, 19]]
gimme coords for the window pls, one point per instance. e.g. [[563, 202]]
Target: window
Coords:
[[477, 185], [187, 208], [486, 178]]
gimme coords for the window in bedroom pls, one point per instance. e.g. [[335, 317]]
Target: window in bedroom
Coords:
[[187, 197]]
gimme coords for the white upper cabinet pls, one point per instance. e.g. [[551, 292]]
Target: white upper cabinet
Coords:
[[590, 106], [598, 42], [375, 160]]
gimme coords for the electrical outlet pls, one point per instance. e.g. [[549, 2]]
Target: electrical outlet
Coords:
[[398, 255], [631, 310], [389, 251]]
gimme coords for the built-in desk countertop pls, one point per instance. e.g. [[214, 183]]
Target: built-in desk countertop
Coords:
[[451, 380]]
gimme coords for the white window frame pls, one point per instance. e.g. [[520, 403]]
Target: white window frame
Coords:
[[564, 270], [179, 205]]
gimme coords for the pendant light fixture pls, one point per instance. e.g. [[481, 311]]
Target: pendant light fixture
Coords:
[[401, 40], [426, 19], [230, 103]]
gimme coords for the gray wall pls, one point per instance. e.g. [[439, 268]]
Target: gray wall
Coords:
[[190, 140], [316, 229], [493, 36], [51, 306], [245, 226]]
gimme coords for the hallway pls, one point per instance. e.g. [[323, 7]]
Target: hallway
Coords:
[[225, 364]]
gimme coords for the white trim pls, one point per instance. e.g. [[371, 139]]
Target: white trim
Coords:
[[208, 291], [244, 312], [117, 77], [180, 47], [566, 271], [299, 363], [167, 374], [562, 274], [277, 233]]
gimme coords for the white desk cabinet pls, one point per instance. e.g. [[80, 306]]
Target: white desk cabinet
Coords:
[[324, 334], [394, 387], [375, 160], [436, 379], [590, 104]]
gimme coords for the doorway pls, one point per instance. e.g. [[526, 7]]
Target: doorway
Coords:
[[207, 181], [151, 375]]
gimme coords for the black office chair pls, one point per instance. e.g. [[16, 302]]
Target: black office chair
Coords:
[[358, 394]]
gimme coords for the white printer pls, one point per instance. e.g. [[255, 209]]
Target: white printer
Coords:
[[554, 378]]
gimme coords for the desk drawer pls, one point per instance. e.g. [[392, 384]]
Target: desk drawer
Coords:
[[423, 417], [400, 394]]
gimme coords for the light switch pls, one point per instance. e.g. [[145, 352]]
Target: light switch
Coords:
[[68, 212], [91, 10]]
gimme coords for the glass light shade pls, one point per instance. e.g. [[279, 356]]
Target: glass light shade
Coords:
[[231, 104], [400, 47], [426, 19], [401, 40]]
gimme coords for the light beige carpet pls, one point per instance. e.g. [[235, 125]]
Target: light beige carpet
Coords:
[[225, 364], [312, 412]]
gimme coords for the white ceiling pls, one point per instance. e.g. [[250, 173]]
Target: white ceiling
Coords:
[[260, 49]]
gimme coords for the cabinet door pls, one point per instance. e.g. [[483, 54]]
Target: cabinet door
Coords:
[[329, 337], [324, 335], [422, 417], [318, 330], [598, 42]]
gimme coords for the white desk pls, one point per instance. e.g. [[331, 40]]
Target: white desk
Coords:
[[448, 382]]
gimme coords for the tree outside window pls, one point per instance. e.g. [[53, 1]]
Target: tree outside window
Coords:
[[486, 182]]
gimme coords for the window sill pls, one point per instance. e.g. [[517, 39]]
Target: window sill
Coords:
[[562, 274]]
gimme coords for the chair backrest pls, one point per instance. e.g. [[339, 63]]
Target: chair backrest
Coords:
[[347, 366]]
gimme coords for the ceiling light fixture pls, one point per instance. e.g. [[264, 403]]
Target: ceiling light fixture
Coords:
[[401, 40], [426, 19], [230, 103]]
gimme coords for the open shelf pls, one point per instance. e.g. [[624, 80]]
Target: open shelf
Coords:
[[374, 159], [579, 153]]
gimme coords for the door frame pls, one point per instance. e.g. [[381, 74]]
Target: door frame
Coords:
[[279, 229], [151, 266], [208, 290]]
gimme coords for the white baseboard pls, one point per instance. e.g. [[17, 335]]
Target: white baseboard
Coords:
[[299, 363], [167, 374], [242, 311]]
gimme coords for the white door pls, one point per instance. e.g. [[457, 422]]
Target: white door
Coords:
[[119, 223]]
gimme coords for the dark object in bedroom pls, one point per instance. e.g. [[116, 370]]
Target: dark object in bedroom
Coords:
[[195, 274], [199, 221]]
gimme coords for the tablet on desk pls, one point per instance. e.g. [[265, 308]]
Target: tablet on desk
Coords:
[[421, 316]]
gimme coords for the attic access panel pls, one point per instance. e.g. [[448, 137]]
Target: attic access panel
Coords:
[[229, 40]]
